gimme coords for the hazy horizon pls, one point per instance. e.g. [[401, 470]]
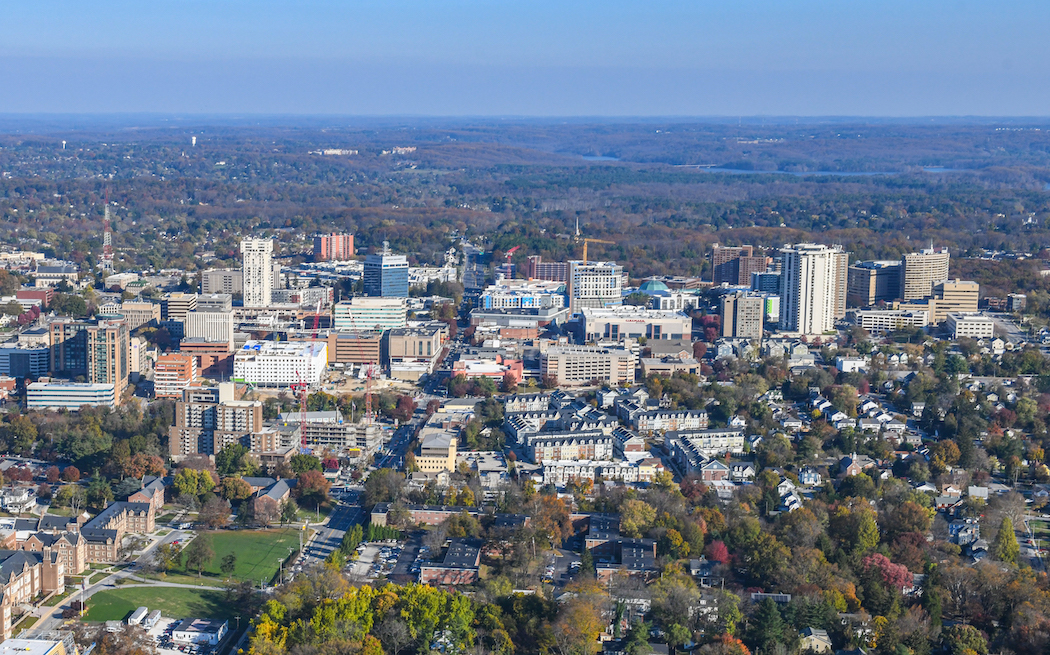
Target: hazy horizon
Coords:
[[482, 58]]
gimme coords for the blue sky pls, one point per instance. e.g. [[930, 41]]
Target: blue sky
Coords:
[[534, 58]]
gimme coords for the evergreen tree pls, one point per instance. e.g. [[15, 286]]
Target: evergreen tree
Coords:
[[1005, 547], [768, 627]]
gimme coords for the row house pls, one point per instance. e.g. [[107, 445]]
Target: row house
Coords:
[[628, 444], [710, 443], [560, 473], [667, 420], [593, 445]]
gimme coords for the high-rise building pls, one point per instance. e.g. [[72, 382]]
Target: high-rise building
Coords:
[[537, 269], [920, 270], [215, 327], [172, 373], [386, 276], [765, 282], [360, 313], [734, 265], [595, 285], [873, 282], [333, 247], [280, 364], [208, 418], [742, 315], [257, 270], [96, 350], [809, 293], [222, 280], [841, 264], [215, 302], [175, 306]]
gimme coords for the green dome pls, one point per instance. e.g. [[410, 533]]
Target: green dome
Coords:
[[651, 286]]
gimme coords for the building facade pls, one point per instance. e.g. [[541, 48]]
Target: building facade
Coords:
[[333, 247], [360, 313], [633, 322], [868, 283], [742, 315], [257, 272], [173, 373], [734, 265], [595, 285], [280, 364], [537, 269], [386, 276], [578, 365], [920, 270], [222, 281], [809, 288]]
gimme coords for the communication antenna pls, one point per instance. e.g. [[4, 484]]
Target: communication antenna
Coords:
[[107, 239]]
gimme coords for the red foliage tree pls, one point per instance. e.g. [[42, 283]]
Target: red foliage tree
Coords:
[[716, 551], [53, 475], [896, 576], [71, 474]]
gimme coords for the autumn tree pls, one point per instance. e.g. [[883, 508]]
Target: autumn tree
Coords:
[[199, 554], [215, 513]]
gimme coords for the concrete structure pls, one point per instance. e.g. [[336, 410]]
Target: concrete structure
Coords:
[[215, 302], [949, 297], [872, 282], [119, 281], [734, 265], [222, 281], [24, 576], [333, 247], [414, 352], [328, 431], [139, 314], [594, 284], [809, 288], [280, 364], [632, 322], [578, 365], [98, 350], [537, 269], [386, 276], [518, 294], [209, 418], [216, 327], [173, 373], [973, 326], [35, 646], [257, 271], [882, 321], [360, 313], [919, 272], [437, 450], [176, 305], [425, 514], [742, 315], [354, 347]]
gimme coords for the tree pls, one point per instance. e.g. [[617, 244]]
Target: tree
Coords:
[[716, 551], [99, 493], [577, 628], [406, 407], [312, 486], [53, 475], [199, 554], [677, 636], [233, 459], [962, 639], [236, 489], [168, 557], [767, 626], [1005, 546], [71, 474], [228, 565], [289, 511], [635, 517], [215, 513], [302, 463]]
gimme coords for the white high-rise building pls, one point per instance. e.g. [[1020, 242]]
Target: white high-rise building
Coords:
[[811, 285], [595, 285], [257, 270]]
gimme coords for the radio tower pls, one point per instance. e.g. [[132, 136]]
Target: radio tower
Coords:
[[107, 240]]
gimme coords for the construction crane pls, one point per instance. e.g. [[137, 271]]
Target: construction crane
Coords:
[[317, 319], [511, 252], [586, 241], [300, 388]]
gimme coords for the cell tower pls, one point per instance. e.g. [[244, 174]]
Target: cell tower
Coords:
[[107, 240]]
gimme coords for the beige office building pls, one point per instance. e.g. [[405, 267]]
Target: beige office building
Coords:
[[742, 315], [920, 270], [869, 283], [578, 365], [949, 297]]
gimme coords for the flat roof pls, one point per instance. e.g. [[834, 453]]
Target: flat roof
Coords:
[[28, 646], [462, 553]]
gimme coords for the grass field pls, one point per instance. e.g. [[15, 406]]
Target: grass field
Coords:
[[175, 602], [258, 551], [1041, 529]]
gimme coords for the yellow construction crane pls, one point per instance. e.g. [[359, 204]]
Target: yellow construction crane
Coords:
[[586, 241]]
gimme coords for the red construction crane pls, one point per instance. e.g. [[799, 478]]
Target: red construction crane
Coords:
[[511, 252], [301, 389]]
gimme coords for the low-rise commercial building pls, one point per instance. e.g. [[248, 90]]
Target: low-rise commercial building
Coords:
[[460, 565], [973, 326], [633, 322], [882, 321], [414, 352], [70, 396]]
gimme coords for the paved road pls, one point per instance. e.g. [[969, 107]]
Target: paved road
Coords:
[[347, 513]]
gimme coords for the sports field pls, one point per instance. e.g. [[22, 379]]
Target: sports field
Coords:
[[258, 551], [175, 602]]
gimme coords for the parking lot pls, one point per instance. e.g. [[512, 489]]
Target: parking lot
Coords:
[[161, 634], [375, 559]]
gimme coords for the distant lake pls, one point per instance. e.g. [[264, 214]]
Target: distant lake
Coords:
[[743, 171], [599, 158]]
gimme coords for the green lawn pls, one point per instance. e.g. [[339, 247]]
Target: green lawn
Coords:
[[117, 604], [1041, 529], [258, 551]]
